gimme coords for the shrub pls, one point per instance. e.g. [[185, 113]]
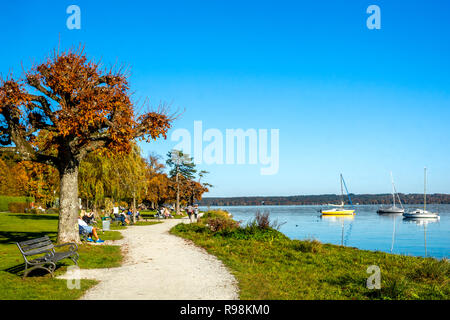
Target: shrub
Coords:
[[191, 227], [216, 214], [262, 221], [312, 246], [220, 224], [52, 211], [255, 233], [18, 207], [5, 200]]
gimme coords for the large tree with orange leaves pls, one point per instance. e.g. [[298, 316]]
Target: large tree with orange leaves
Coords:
[[81, 107]]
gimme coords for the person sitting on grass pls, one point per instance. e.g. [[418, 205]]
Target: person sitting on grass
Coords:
[[160, 212], [123, 218], [167, 213], [88, 217], [88, 229]]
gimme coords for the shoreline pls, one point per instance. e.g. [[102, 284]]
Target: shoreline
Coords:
[[268, 265], [366, 230]]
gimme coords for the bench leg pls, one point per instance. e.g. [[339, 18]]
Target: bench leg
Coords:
[[50, 269], [75, 258]]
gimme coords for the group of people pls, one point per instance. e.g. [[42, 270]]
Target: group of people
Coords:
[[164, 212], [192, 210], [86, 220], [84, 226], [126, 216]]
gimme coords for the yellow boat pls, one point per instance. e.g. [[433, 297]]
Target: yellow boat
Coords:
[[338, 212]]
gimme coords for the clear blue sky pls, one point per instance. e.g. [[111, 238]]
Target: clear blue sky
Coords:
[[345, 98]]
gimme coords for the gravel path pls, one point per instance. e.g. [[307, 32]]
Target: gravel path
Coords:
[[161, 266]]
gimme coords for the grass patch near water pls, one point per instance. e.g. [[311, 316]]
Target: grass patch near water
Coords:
[[268, 265]]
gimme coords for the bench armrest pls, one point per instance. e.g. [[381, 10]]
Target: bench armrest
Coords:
[[73, 246], [29, 257]]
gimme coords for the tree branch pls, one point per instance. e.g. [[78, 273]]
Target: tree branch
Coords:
[[45, 106], [34, 82]]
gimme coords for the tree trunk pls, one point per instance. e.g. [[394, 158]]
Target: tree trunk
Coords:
[[178, 196], [68, 205], [134, 207]]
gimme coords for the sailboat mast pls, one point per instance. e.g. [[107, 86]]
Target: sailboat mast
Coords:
[[393, 190], [342, 192], [425, 189], [396, 193]]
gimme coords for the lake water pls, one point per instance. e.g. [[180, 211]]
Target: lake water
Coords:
[[366, 230]]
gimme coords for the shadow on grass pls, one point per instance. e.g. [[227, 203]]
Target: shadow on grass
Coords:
[[15, 269], [11, 237], [35, 216], [19, 269]]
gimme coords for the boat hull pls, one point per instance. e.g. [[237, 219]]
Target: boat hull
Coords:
[[421, 215], [390, 210], [337, 212]]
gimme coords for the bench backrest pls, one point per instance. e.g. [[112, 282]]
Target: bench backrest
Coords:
[[35, 246]]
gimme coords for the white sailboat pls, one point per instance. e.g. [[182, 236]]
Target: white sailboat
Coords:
[[419, 213], [393, 208]]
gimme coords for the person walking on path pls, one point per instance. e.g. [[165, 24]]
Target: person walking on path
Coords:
[[190, 211], [196, 211]]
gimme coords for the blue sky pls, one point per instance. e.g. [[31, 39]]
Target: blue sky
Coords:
[[344, 98]]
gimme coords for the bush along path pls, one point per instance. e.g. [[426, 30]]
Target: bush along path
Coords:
[[161, 266]]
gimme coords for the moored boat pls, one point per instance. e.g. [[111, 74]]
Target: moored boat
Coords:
[[392, 209], [419, 213], [340, 211]]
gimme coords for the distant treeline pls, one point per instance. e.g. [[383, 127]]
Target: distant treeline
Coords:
[[413, 198]]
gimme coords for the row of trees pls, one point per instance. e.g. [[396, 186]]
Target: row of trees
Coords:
[[106, 178], [324, 199], [111, 177]]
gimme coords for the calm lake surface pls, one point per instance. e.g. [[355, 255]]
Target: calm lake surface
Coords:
[[366, 230]]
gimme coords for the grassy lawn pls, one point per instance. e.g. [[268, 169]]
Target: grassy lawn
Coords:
[[268, 265], [16, 227]]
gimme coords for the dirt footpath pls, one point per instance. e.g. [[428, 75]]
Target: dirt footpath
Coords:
[[161, 266]]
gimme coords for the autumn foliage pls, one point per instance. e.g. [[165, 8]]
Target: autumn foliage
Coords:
[[75, 106]]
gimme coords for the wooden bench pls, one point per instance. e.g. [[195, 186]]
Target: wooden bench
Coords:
[[40, 253]]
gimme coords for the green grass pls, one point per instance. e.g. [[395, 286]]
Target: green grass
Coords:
[[16, 227], [5, 200], [268, 265]]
